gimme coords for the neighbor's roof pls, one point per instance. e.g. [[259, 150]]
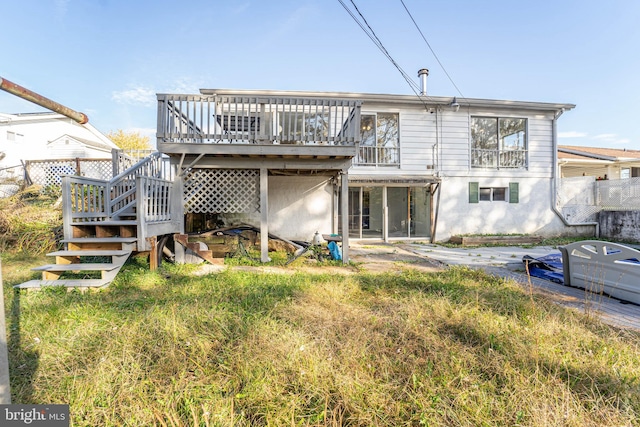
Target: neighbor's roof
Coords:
[[95, 144], [572, 152], [397, 99]]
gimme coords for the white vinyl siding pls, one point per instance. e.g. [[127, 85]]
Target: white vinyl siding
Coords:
[[419, 134], [416, 141], [541, 145], [454, 142]]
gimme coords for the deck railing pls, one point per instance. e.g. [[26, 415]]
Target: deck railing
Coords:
[[154, 198], [257, 120], [377, 156], [124, 159], [94, 200], [501, 159]]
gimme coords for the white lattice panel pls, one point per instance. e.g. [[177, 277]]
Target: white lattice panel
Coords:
[[48, 172], [222, 191], [96, 169]]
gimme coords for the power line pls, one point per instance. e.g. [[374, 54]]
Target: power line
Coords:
[[374, 38], [431, 49]]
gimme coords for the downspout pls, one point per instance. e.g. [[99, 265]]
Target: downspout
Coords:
[[554, 180]]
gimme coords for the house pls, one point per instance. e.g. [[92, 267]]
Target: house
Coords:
[[48, 135], [362, 166], [50, 145], [384, 167], [609, 163]]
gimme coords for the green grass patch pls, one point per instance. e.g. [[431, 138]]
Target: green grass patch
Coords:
[[457, 347]]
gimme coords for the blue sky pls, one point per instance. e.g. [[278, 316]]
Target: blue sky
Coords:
[[108, 58]]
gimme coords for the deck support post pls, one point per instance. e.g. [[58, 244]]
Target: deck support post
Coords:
[[264, 215], [67, 211], [153, 253], [177, 213], [344, 208]]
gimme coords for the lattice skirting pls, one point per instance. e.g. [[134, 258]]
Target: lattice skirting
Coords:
[[49, 172], [222, 191]]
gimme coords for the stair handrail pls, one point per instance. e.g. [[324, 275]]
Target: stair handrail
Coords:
[[122, 187], [96, 200]]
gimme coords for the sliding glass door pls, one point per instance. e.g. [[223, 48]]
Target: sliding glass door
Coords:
[[408, 212]]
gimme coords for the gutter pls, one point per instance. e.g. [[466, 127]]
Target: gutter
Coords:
[[554, 180]]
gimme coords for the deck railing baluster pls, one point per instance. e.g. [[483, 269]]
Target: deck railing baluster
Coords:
[[246, 119]]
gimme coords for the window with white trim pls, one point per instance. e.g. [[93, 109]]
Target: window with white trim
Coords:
[[493, 194], [498, 143], [509, 194], [380, 143]]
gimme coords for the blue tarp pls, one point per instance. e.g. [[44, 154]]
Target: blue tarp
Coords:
[[548, 267]]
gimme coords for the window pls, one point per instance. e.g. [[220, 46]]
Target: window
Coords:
[[498, 142], [12, 136], [380, 145], [494, 194], [300, 126]]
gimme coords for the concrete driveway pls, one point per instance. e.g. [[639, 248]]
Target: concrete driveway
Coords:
[[505, 256]]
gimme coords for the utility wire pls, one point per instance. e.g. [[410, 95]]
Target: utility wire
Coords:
[[374, 38], [383, 49], [431, 49]]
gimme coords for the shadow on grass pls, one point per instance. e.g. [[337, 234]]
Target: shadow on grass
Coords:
[[590, 382], [459, 285], [23, 358], [154, 327], [491, 301]]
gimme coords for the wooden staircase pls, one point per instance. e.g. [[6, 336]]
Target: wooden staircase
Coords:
[[196, 248], [99, 248], [104, 222]]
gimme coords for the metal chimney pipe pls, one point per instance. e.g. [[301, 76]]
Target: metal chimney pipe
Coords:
[[423, 73], [24, 93]]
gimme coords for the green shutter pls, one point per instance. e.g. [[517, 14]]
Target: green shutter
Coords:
[[474, 192], [514, 192]]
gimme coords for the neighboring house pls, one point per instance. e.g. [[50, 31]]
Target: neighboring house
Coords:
[[391, 167], [603, 163], [39, 136], [49, 145]]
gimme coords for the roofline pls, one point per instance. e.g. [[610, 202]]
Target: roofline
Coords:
[[7, 118], [587, 161], [586, 154], [396, 99], [31, 117]]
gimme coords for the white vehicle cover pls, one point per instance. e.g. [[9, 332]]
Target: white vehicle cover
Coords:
[[603, 267]]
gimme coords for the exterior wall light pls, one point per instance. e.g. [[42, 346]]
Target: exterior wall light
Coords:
[[454, 104]]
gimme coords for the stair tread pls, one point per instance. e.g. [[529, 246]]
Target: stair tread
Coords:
[[92, 252], [115, 222], [100, 240], [69, 283], [77, 267]]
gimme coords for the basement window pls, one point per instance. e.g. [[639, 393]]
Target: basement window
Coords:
[[509, 194], [493, 194]]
